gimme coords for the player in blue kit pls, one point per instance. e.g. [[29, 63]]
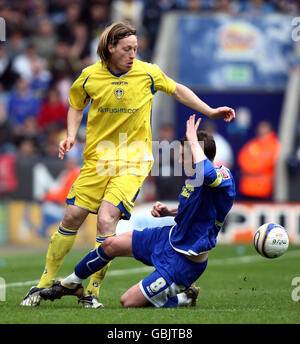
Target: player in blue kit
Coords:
[[179, 253]]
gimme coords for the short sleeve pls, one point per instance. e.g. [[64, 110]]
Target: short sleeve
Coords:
[[218, 177], [161, 82], [78, 97]]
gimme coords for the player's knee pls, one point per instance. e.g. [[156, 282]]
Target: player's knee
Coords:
[[71, 221], [126, 302], [123, 301], [106, 223], [110, 247]]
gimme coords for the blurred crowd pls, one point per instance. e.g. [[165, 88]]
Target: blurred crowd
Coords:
[[49, 42]]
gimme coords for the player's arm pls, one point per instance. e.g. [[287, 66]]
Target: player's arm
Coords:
[[187, 97], [161, 210], [205, 171], [191, 134], [73, 123]]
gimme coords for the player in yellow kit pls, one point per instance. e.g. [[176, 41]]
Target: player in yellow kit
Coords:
[[118, 153]]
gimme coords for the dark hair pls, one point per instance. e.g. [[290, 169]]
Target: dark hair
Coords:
[[111, 35], [209, 143]]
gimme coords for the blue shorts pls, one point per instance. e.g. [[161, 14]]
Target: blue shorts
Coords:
[[157, 290], [151, 246]]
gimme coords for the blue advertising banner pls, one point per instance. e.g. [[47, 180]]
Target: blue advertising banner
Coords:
[[221, 51]]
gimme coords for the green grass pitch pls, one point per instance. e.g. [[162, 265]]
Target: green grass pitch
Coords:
[[238, 287]]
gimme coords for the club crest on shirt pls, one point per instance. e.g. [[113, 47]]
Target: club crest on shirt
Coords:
[[225, 173], [119, 93]]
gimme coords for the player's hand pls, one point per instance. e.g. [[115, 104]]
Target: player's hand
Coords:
[[64, 146], [191, 128], [159, 210], [222, 112]]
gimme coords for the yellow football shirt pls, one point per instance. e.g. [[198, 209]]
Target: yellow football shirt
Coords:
[[119, 119]]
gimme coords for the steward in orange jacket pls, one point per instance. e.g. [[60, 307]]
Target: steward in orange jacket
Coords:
[[58, 193], [257, 161]]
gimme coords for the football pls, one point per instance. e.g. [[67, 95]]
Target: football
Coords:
[[271, 240]]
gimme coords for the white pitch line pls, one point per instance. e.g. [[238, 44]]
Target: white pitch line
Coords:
[[211, 262]]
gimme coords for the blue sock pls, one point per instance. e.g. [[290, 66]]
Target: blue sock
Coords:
[[172, 302], [92, 262]]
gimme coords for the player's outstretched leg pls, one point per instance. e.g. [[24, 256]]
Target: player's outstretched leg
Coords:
[[107, 220], [60, 244], [58, 290], [91, 294], [91, 263], [94, 261]]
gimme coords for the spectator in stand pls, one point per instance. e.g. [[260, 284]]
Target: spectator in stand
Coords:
[[128, 10], [257, 7], [13, 16], [257, 161], [98, 17], [194, 5], [76, 153], [6, 144], [51, 140], [22, 64], [53, 110], [41, 78], [144, 53], [287, 6], [27, 148], [37, 11], [30, 129], [63, 67], [7, 74], [62, 64], [45, 39], [22, 104], [153, 12], [226, 7], [80, 47], [224, 155], [65, 30], [8, 179], [16, 44], [168, 185]]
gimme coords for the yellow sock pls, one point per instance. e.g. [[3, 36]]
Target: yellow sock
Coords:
[[97, 278], [60, 244]]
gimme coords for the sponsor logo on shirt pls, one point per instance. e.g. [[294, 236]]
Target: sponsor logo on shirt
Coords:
[[187, 191], [116, 110]]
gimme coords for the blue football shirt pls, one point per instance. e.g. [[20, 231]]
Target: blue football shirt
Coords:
[[205, 200]]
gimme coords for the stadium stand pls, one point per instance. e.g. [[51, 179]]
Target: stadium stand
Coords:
[[48, 43]]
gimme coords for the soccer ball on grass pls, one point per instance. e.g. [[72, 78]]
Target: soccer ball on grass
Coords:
[[271, 240]]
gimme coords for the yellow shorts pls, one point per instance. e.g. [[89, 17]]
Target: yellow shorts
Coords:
[[90, 189]]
